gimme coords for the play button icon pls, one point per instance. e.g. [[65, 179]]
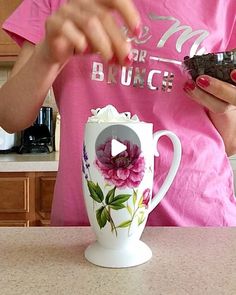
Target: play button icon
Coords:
[[117, 147]]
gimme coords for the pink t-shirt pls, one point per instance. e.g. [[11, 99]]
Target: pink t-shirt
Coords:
[[202, 192]]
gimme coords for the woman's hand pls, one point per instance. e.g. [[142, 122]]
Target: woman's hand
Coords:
[[220, 99], [82, 26], [215, 95]]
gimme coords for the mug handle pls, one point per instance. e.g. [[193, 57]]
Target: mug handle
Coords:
[[173, 168]]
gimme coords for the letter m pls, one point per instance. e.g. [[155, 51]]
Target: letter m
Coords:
[[187, 34]]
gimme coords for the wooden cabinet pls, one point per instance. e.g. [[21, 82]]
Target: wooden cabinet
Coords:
[[45, 183], [8, 48], [26, 198]]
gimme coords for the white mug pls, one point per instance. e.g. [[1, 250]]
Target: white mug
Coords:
[[118, 171]]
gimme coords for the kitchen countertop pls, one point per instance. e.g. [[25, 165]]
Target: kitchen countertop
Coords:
[[51, 261], [29, 162], [42, 162]]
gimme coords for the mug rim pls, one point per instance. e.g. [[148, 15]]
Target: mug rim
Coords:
[[121, 123]]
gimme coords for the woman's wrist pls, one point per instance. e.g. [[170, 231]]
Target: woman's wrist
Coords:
[[43, 53]]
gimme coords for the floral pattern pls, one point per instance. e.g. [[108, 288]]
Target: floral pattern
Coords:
[[146, 196], [126, 170]]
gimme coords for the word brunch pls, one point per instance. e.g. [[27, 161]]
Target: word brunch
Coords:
[[135, 76]]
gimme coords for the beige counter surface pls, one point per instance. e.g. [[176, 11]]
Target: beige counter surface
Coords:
[[192, 261], [29, 162]]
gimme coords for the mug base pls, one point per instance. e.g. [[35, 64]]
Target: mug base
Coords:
[[134, 255]]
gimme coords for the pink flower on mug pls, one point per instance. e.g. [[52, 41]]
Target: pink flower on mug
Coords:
[[146, 197], [125, 169]]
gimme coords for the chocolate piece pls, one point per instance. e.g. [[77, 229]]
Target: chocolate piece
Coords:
[[218, 65]]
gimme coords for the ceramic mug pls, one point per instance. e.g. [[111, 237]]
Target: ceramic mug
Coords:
[[118, 171]]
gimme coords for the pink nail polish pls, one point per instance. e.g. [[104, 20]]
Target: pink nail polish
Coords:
[[128, 61], [87, 50], [113, 60], [233, 76], [189, 85], [138, 30], [203, 82]]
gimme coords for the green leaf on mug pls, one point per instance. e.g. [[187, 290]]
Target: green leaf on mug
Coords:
[[140, 203], [117, 207], [95, 191], [102, 216], [125, 224], [134, 197], [129, 210], [119, 199], [110, 196]]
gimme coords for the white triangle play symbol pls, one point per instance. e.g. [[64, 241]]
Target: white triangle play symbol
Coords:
[[117, 147]]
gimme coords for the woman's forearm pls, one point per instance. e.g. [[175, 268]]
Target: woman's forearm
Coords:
[[23, 94]]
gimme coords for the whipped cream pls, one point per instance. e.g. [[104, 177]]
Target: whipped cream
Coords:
[[110, 114]]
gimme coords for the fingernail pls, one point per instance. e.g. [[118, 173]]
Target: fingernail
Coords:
[[138, 30], [189, 85], [87, 50], [203, 82], [128, 61], [113, 60], [233, 76]]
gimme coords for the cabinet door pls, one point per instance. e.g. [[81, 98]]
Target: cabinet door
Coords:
[[12, 223], [17, 199], [8, 47], [45, 182], [14, 196]]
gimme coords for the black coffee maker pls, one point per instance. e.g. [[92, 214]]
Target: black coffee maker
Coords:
[[38, 138]]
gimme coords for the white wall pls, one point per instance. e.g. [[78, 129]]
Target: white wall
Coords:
[[233, 164]]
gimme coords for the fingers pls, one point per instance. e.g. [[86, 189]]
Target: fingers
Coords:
[[76, 37], [91, 23], [128, 11], [59, 42], [233, 75], [119, 46], [222, 90], [94, 32], [215, 95], [98, 24]]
